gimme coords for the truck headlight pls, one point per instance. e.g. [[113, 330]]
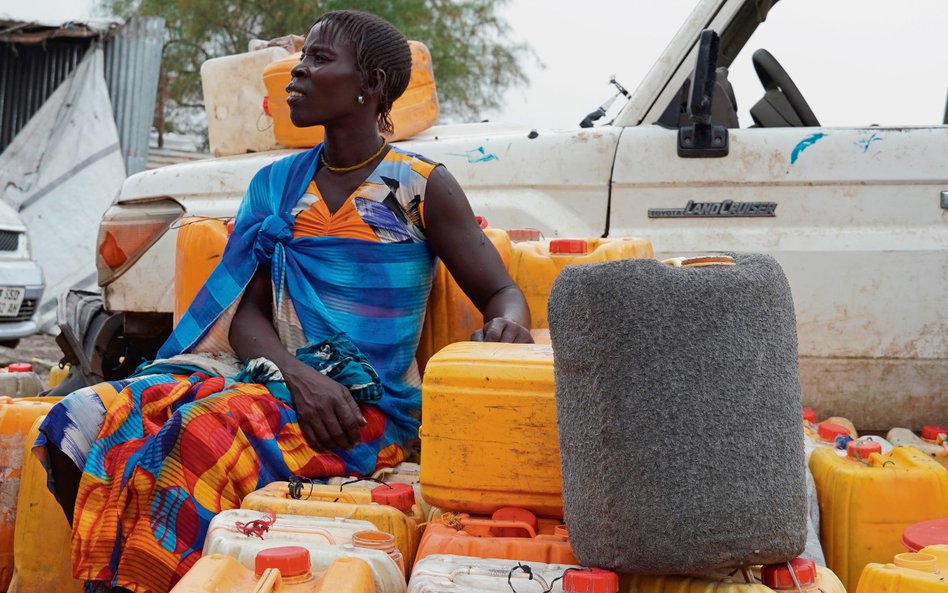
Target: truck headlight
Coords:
[[127, 231]]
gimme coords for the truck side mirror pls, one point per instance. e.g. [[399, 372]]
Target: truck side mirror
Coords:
[[702, 139]]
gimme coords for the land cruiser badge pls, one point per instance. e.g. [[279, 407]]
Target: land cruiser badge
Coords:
[[725, 209]]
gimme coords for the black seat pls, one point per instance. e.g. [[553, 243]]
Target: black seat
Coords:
[[723, 104]]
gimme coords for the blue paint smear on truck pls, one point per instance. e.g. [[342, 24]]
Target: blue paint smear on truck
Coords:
[[804, 144]]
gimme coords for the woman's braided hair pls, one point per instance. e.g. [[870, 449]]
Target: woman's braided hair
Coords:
[[382, 55]]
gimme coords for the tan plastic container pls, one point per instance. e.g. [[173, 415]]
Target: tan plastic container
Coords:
[[233, 99], [415, 111], [403, 523], [245, 551], [18, 379], [468, 574], [936, 445]]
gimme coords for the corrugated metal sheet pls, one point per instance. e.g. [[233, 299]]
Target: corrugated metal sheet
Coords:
[[30, 72], [132, 64]]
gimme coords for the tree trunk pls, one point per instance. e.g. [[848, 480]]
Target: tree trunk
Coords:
[[160, 106]]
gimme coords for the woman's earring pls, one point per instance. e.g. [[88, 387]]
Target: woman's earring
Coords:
[[361, 100]]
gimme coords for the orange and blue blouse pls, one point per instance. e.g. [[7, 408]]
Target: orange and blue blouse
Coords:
[[388, 207]]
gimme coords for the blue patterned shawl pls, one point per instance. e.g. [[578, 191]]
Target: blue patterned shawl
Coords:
[[373, 292]]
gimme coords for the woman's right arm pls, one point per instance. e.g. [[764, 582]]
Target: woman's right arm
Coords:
[[328, 416]]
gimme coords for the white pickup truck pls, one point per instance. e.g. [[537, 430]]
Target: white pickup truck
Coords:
[[857, 216]]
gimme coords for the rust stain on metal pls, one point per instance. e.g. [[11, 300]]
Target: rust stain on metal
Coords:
[[876, 394]]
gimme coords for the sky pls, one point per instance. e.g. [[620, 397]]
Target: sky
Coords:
[[857, 62]]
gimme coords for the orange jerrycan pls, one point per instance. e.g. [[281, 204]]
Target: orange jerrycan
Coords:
[[450, 316], [934, 441], [43, 538], [16, 419], [415, 111], [277, 570], [925, 571], [489, 431], [403, 473], [511, 533], [868, 498], [403, 524], [465, 574], [198, 250], [796, 576], [534, 265]]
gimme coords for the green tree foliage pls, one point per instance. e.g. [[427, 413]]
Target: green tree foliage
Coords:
[[474, 58]]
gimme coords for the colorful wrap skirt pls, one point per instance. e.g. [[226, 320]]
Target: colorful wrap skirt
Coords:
[[174, 450]]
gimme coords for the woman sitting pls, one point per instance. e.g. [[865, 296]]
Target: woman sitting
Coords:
[[297, 356]]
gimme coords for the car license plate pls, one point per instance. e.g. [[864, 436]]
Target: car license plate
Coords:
[[11, 297]]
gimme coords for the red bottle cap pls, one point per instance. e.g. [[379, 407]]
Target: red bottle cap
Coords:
[[266, 106], [481, 222], [19, 367], [291, 560], [930, 432], [591, 580], [926, 533], [809, 415], [862, 449], [400, 496], [777, 576], [524, 234], [515, 514], [558, 246], [829, 431]]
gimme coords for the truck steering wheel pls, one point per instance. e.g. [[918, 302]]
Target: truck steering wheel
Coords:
[[774, 77]]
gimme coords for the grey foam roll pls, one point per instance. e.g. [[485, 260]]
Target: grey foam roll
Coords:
[[678, 404]]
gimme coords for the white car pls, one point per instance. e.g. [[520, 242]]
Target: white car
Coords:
[[21, 280]]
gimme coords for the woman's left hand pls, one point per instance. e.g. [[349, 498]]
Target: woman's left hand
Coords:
[[499, 329]]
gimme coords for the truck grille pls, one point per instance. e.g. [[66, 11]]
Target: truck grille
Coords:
[[26, 311], [9, 240]]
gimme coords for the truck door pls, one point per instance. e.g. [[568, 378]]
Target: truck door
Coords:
[[857, 217]]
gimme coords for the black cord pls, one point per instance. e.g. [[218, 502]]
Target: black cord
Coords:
[[295, 487], [562, 576], [366, 479], [529, 572], [522, 567]]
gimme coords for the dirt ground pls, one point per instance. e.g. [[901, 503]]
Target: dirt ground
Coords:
[[39, 350]]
